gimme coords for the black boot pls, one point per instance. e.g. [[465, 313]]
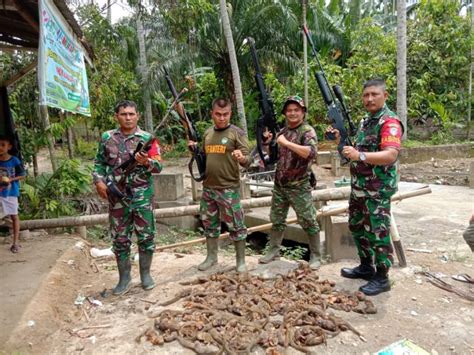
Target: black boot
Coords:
[[364, 271], [378, 284], [145, 264], [124, 268]]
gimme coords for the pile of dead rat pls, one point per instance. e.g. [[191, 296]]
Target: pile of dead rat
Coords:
[[235, 313]]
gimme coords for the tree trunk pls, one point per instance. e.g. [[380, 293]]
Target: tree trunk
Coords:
[[198, 100], [402, 64], [44, 117], [385, 7], [70, 140], [143, 69], [234, 65], [471, 70], [109, 12], [35, 164], [305, 57]]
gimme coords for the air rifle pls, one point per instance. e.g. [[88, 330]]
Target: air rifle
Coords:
[[337, 110], [198, 154], [117, 189], [268, 117]]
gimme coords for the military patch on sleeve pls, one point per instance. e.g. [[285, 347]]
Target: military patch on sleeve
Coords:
[[391, 134], [393, 131]]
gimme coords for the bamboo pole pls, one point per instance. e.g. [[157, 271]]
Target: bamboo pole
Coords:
[[193, 210], [259, 228], [341, 193], [320, 214]]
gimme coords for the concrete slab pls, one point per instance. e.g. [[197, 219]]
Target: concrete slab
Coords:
[[259, 216], [168, 187], [183, 222]]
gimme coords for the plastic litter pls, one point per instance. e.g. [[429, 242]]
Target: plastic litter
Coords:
[[97, 253], [79, 245], [79, 300]]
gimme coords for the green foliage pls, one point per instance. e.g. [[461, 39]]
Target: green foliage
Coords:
[[175, 235], [98, 234], [86, 150], [439, 42], [53, 195], [23, 104], [180, 149], [374, 55], [411, 143], [113, 77], [293, 253]]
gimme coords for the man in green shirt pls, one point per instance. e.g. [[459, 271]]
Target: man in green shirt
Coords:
[[226, 149]]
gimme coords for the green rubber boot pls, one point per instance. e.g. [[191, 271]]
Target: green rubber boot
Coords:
[[124, 268], [211, 258], [273, 252], [315, 253], [240, 256], [145, 260]]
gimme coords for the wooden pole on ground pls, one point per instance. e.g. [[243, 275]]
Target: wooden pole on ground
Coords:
[[259, 228], [341, 193], [331, 212]]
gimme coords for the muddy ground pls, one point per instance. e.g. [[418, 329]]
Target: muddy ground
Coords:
[[41, 284]]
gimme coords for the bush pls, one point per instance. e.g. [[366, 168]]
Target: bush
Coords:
[[86, 150], [51, 195]]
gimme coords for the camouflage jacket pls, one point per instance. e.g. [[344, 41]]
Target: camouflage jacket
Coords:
[[114, 149], [291, 169], [367, 179]]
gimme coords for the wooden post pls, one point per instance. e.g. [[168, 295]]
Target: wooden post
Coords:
[[45, 121]]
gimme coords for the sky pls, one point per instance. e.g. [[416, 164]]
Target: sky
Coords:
[[119, 8]]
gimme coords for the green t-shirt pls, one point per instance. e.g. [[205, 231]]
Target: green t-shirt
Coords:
[[222, 171]]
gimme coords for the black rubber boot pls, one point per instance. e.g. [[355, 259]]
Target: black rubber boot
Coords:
[[145, 260], [315, 254], [273, 252], [378, 284], [124, 268], [211, 258], [364, 271], [240, 256]]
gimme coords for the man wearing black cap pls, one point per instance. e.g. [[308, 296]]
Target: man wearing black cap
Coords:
[[297, 149]]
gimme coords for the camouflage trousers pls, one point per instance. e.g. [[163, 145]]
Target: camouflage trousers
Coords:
[[136, 218], [300, 199], [225, 202], [369, 222]]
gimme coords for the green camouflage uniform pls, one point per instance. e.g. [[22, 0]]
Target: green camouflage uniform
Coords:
[[221, 193], [114, 149], [372, 186], [292, 186]]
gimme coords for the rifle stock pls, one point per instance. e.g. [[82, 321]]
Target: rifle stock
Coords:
[[198, 155], [268, 117], [338, 113]]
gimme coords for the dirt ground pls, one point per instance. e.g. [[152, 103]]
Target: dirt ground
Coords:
[[41, 284]]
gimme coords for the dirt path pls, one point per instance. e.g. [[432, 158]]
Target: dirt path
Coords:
[[42, 282], [437, 320], [22, 275]]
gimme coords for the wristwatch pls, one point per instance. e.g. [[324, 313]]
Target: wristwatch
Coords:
[[362, 156]]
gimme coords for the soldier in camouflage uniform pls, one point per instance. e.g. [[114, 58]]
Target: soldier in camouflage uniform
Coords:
[[135, 213], [374, 179], [226, 148], [298, 145]]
